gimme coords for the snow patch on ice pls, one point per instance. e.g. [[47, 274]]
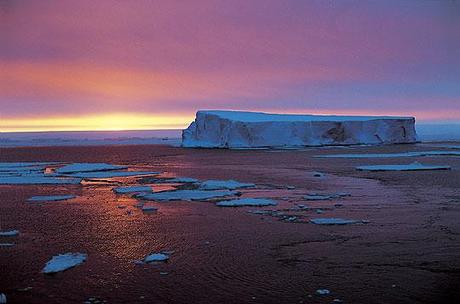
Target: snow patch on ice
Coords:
[[247, 202], [63, 262], [415, 166]]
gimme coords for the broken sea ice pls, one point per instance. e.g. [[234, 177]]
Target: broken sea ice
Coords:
[[254, 202], [63, 262]]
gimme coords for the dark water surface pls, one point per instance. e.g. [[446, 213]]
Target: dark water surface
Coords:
[[409, 252]]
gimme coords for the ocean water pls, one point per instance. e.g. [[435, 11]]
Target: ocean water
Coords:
[[90, 138], [426, 132]]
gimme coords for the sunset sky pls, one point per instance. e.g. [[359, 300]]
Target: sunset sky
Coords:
[[109, 65]]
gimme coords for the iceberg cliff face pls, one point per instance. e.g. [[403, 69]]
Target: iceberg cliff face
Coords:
[[235, 129]]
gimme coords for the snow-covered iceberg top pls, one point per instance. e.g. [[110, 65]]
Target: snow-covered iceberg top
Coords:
[[235, 129]]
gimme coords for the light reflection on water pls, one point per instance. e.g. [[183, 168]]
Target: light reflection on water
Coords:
[[220, 254]]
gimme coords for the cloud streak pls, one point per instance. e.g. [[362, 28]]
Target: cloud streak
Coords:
[[172, 58]]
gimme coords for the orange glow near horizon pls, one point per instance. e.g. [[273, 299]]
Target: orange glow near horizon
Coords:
[[138, 121], [104, 122]]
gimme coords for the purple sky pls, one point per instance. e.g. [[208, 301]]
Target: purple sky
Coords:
[[80, 58]]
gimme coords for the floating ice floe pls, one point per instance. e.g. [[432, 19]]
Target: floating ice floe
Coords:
[[88, 167], [148, 208], [156, 257], [247, 202], [50, 198], [110, 174], [318, 174], [321, 197], [415, 166], [332, 221], [2, 298], [132, 189], [38, 180], [224, 184], [186, 195], [6, 244], [323, 292], [63, 262], [182, 180], [9, 233], [389, 155]]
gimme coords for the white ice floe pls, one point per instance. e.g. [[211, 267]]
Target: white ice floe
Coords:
[[235, 129], [323, 292], [2, 298], [38, 180], [224, 184], [332, 221], [415, 166], [247, 202], [321, 197], [9, 233], [148, 208], [156, 257], [50, 198], [110, 174], [389, 155], [88, 167], [6, 244], [64, 261], [182, 180], [186, 195], [318, 174], [132, 189]]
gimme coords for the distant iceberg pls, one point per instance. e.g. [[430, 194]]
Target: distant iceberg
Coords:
[[234, 129]]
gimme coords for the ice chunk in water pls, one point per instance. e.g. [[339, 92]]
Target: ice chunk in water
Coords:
[[63, 262], [132, 189], [186, 195], [156, 257], [88, 167], [50, 198], [223, 184], [323, 292], [415, 166], [9, 233], [332, 221], [247, 202]]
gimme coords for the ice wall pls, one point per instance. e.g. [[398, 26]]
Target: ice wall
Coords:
[[235, 129]]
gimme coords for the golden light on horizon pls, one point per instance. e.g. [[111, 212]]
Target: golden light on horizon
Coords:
[[103, 122]]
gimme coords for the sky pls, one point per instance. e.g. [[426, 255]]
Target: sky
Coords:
[[117, 65]]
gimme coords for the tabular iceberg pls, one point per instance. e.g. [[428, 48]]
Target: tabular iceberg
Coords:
[[235, 129]]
